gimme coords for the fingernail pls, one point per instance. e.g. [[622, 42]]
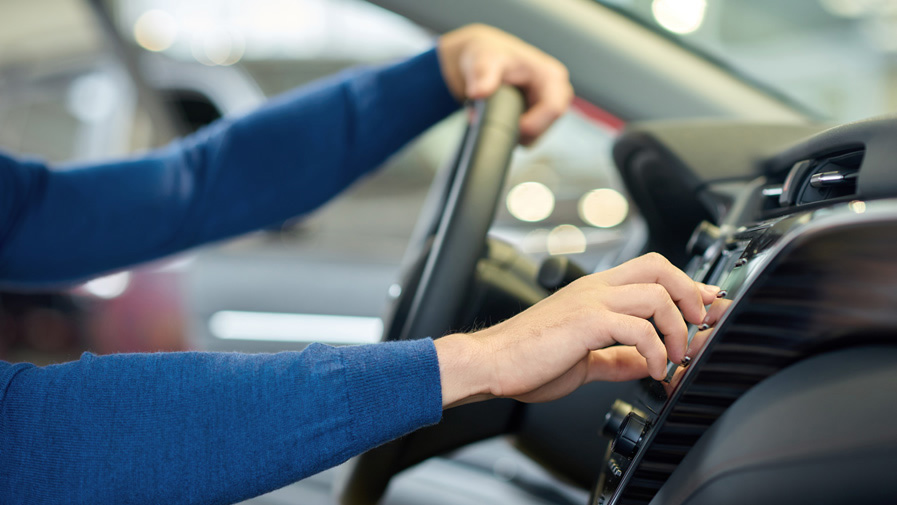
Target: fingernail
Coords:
[[704, 326], [706, 321], [722, 293], [685, 361], [711, 289]]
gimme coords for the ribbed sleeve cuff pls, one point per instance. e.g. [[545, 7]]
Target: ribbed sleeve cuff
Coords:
[[393, 388]]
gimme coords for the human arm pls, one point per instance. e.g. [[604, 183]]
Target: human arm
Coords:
[[209, 428], [240, 174], [565, 340], [216, 428], [237, 175]]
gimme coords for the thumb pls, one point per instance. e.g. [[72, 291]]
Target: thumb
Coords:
[[617, 364]]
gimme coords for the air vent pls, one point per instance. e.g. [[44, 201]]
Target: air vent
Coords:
[[788, 316], [822, 179]]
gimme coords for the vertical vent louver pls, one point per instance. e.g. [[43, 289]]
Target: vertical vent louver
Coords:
[[834, 290], [822, 179]]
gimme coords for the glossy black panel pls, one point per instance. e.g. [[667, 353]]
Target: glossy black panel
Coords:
[[807, 284]]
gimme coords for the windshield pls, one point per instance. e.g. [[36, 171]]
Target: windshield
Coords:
[[836, 57]]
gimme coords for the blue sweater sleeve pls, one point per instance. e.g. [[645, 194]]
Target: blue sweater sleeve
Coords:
[[200, 427], [236, 175], [194, 427]]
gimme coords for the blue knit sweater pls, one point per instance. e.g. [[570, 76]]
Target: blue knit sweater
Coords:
[[205, 427]]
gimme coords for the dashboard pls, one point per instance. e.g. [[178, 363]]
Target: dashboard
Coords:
[[798, 226]]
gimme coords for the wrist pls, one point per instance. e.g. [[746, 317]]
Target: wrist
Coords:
[[448, 49], [463, 372]]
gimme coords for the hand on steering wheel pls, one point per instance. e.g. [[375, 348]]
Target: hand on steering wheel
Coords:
[[562, 342], [477, 59]]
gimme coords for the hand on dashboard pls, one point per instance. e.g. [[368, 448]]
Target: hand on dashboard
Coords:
[[477, 59], [714, 315], [565, 340]]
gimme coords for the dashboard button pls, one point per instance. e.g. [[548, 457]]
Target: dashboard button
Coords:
[[614, 418], [629, 437], [702, 238]]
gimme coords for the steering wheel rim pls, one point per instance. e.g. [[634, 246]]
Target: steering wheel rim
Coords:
[[432, 292], [441, 273]]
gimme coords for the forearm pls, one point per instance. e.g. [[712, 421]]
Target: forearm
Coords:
[[237, 175], [205, 428]]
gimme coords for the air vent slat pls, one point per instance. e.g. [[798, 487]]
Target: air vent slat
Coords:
[[821, 179], [859, 261]]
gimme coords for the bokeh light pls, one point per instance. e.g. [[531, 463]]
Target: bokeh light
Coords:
[[566, 239], [530, 201], [535, 242], [156, 30], [679, 16], [109, 286], [604, 208], [93, 97]]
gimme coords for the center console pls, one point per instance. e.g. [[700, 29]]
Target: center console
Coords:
[[804, 244]]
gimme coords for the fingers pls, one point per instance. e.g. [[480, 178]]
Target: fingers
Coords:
[[652, 300], [475, 60], [616, 364], [632, 331], [653, 268], [549, 94], [551, 99], [697, 343], [482, 72], [716, 311], [544, 81], [708, 293], [714, 314]]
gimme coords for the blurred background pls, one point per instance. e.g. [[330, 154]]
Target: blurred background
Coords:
[[83, 80]]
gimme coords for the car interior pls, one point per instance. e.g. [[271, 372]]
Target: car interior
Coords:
[[789, 210]]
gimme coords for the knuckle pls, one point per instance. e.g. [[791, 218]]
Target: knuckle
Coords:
[[672, 307], [569, 93], [561, 71], [658, 292], [641, 330], [478, 28], [646, 328], [655, 258]]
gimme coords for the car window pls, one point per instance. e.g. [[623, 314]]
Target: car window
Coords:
[[833, 56]]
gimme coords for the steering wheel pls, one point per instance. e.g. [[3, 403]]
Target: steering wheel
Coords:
[[437, 277]]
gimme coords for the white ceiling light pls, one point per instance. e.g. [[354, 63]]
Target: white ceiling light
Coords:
[[566, 239], [156, 30], [604, 208], [679, 16], [530, 201]]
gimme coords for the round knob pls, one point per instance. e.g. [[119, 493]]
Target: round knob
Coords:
[[630, 435], [702, 238], [614, 418]]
